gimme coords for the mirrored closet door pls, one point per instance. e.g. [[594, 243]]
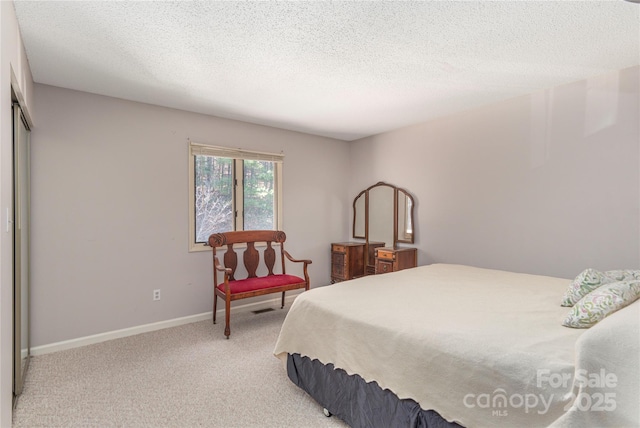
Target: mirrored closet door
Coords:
[[21, 206]]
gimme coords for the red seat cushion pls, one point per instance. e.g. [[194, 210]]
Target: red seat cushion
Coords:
[[260, 283]]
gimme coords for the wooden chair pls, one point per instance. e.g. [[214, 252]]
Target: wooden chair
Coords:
[[234, 289]]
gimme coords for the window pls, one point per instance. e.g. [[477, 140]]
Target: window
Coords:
[[232, 189]]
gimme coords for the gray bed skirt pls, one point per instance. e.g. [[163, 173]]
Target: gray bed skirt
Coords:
[[358, 403]]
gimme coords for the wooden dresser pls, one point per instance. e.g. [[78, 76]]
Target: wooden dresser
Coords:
[[347, 260], [395, 259]]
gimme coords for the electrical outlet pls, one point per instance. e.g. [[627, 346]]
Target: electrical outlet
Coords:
[[156, 294]]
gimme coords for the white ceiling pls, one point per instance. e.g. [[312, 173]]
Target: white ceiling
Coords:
[[339, 69]]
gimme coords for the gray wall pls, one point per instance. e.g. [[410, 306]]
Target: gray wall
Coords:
[[110, 213], [546, 184]]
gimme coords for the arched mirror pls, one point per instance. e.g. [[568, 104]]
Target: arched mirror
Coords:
[[405, 217], [383, 216]]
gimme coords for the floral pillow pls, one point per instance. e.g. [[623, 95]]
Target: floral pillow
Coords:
[[590, 279], [601, 302], [623, 275]]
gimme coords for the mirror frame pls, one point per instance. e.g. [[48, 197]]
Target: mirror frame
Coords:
[[409, 213], [365, 194]]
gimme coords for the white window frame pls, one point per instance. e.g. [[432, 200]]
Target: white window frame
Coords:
[[238, 155]]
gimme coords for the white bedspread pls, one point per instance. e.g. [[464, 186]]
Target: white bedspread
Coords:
[[481, 347]]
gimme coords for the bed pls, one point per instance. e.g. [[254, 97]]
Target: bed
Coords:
[[448, 345]]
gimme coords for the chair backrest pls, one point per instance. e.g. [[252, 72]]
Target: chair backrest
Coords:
[[251, 256]]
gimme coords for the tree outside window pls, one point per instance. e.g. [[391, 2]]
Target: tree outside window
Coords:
[[231, 193]]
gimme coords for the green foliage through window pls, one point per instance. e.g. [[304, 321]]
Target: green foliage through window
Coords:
[[217, 198], [258, 195]]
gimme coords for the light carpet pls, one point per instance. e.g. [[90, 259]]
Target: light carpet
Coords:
[[186, 376]]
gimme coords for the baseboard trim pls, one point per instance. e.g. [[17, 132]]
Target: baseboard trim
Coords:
[[145, 328]]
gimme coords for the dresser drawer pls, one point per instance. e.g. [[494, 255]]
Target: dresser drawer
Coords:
[[386, 254], [383, 266], [338, 248]]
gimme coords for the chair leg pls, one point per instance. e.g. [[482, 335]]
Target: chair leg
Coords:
[[215, 306], [282, 300], [227, 310]]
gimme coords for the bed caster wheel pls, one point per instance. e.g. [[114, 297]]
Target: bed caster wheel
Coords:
[[326, 412]]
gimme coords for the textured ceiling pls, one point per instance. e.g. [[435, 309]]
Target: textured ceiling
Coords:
[[339, 69]]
